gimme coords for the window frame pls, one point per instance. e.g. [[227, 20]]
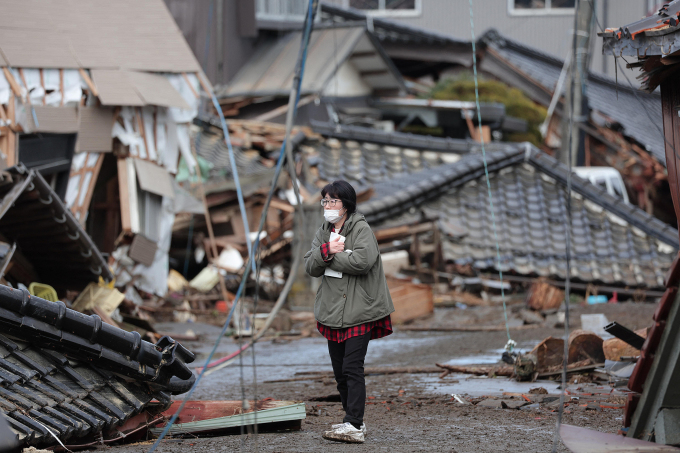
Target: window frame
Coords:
[[547, 11], [382, 12]]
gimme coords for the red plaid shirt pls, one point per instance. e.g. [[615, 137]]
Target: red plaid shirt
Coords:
[[380, 328]]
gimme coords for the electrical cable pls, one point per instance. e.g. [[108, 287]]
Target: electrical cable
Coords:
[[567, 283], [633, 89], [292, 111], [510, 345]]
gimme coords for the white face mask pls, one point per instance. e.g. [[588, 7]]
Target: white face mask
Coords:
[[332, 215]]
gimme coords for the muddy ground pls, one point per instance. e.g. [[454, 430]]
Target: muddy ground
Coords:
[[405, 412]]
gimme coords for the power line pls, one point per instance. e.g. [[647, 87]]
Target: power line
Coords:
[[511, 343], [294, 100]]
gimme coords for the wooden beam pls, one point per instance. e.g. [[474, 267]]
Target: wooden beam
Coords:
[[364, 54], [61, 85], [203, 84], [193, 90], [16, 88], [88, 81], [123, 176], [11, 137], [374, 73]]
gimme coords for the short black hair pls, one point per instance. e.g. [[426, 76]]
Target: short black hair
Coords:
[[343, 191]]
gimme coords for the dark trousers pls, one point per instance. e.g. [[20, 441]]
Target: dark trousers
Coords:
[[348, 367]]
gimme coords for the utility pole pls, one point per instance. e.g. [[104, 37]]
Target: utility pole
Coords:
[[576, 96]]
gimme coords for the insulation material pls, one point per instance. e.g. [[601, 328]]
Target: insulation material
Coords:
[[185, 147], [51, 79], [153, 178], [73, 91], [128, 134], [84, 171], [150, 136], [94, 129], [4, 89], [17, 78], [170, 153], [152, 279], [35, 89], [188, 94]]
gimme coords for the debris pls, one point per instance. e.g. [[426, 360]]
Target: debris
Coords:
[[230, 259], [99, 375], [538, 391], [411, 301], [525, 368], [176, 281], [615, 349], [206, 280], [549, 353], [477, 370], [491, 402], [213, 416], [100, 297], [544, 296], [582, 440], [577, 367], [531, 317], [368, 371], [596, 323], [585, 345], [497, 328]]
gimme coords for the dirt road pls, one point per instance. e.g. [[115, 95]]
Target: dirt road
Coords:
[[404, 412]]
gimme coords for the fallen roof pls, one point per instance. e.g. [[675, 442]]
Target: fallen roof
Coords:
[[652, 35], [125, 34], [271, 69], [46, 233], [506, 59], [75, 375], [403, 139], [612, 242]]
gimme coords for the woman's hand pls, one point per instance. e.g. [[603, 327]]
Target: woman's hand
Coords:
[[335, 246]]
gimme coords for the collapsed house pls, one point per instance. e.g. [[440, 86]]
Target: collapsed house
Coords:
[[652, 408], [104, 125], [622, 134], [68, 376]]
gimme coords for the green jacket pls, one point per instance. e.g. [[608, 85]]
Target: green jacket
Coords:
[[361, 295]]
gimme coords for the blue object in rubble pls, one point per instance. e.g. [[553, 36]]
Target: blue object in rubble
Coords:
[[592, 300]]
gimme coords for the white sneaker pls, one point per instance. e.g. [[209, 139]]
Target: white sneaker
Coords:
[[338, 425], [345, 433]]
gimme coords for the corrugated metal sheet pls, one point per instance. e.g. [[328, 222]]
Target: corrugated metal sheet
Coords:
[[130, 34], [271, 69]]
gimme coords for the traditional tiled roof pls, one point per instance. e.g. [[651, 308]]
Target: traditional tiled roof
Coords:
[[612, 242], [77, 376], [614, 99]]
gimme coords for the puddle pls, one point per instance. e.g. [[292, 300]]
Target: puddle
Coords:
[[479, 386]]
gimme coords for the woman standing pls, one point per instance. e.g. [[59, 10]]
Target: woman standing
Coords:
[[353, 303]]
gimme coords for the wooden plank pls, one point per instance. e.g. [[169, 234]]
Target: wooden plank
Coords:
[[11, 136], [61, 85], [186, 78], [42, 84], [413, 306], [88, 81], [85, 206], [123, 176], [203, 84], [12, 82]]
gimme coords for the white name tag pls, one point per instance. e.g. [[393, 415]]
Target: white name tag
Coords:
[[330, 272]]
